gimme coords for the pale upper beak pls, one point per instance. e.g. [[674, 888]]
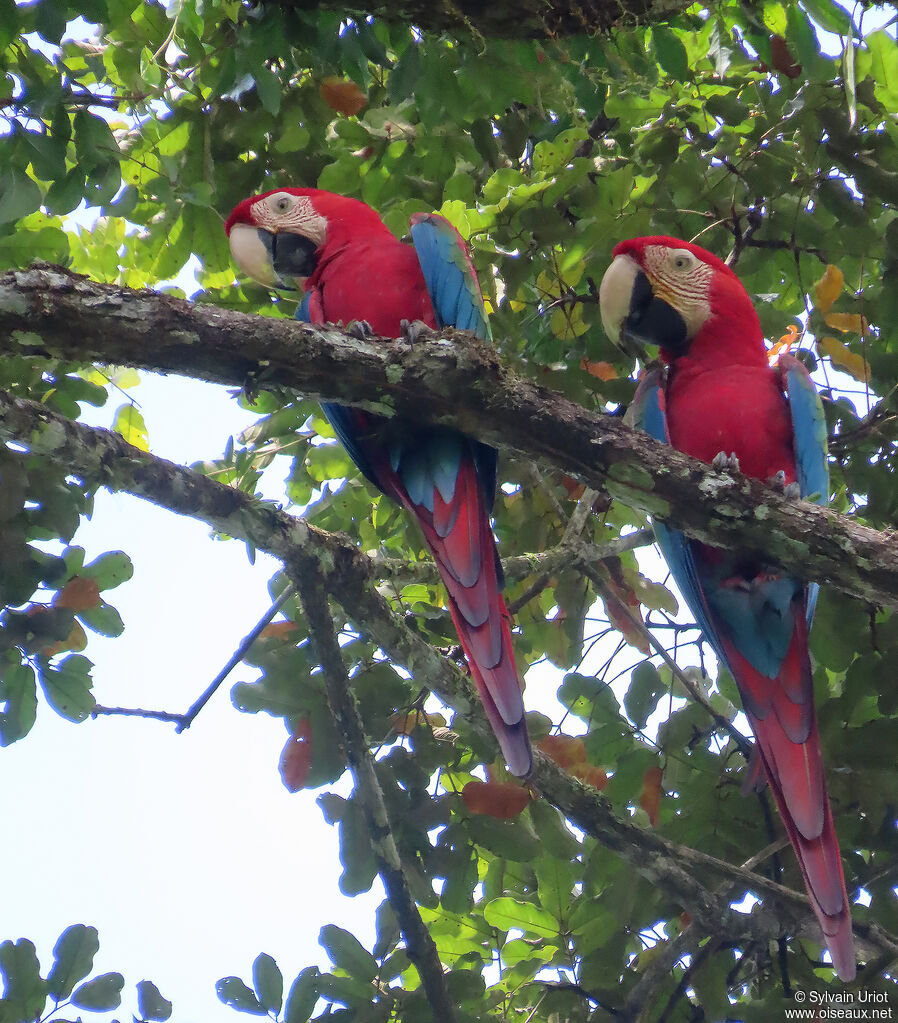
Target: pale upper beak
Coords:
[[281, 259], [635, 316], [615, 295]]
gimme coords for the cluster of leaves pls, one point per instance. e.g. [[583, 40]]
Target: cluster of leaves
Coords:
[[765, 131], [29, 997], [47, 594]]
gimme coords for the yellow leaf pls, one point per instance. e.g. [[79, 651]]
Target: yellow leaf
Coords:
[[548, 284], [567, 324], [846, 322], [130, 424], [76, 642], [405, 724], [782, 346], [843, 358], [828, 288]]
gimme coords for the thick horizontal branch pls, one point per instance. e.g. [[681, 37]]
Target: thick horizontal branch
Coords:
[[686, 875], [451, 379], [506, 19]]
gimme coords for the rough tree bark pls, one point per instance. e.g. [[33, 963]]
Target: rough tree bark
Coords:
[[523, 19], [455, 379]]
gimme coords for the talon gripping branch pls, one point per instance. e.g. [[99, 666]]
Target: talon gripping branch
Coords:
[[720, 396], [349, 266]]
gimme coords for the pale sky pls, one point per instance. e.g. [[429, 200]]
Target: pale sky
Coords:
[[186, 852]]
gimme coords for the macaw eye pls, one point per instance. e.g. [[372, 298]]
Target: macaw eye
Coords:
[[282, 204], [683, 260]]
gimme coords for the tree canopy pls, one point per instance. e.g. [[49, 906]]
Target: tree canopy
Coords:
[[604, 887]]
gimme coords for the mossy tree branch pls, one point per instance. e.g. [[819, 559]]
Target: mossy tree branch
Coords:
[[453, 379]]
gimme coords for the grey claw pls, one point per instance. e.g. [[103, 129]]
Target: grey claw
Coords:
[[722, 460], [414, 330], [792, 491], [360, 329], [778, 480]]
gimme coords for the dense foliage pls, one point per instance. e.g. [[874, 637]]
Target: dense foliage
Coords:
[[767, 132]]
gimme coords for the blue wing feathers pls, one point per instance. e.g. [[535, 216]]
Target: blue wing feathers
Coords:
[[808, 429], [809, 438], [449, 275]]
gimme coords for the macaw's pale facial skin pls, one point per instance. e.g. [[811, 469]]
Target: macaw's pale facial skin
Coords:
[[347, 266], [720, 397]]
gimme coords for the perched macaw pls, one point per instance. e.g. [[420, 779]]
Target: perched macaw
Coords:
[[720, 397], [350, 267]]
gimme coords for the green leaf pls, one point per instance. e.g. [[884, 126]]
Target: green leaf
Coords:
[[9, 22], [95, 144], [73, 959], [19, 196], [25, 993], [303, 996], [150, 1003], [100, 994], [103, 619], [24, 247], [18, 691], [68, 687], [347, 952], [512, 840], [556, 879], [506, 914], [65, 193], [233, 992], [642, 695], [109, 570], [670, 52], [268, 982], [269, 87]]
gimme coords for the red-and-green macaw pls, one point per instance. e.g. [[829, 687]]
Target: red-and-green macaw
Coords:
[[720, 396], [350, 267]]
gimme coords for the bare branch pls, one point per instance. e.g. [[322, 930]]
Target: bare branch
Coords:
[[418, 942]]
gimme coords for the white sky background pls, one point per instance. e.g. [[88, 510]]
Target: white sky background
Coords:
[[185, 851]]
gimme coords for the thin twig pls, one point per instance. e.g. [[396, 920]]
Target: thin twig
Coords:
[[185, 720], [238, 655], [744, 744]]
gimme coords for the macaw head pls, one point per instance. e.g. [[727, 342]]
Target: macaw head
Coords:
[[279, 237], [675, 295]]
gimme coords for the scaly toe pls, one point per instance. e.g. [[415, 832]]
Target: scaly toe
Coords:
[[360, 329], [414, 330], [722, 460]]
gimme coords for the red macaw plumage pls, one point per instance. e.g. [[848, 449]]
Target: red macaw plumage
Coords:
[[350, 267], [721, 396]]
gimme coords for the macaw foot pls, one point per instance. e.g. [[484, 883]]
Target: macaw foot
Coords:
[[722, 460], [414, 330], [791, 491], [360, 329]]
